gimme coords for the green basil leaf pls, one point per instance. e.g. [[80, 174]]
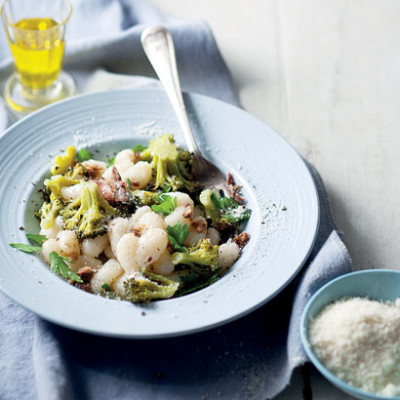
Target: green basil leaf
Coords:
[[106, 287], [26, 248], [84, 155], [37, 239], [110, 161], [59, 266], [177, 236], [167, 204], [138, 147]]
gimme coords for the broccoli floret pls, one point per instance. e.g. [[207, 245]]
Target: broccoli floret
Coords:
[[49, 211], [149, 287], [202, 262], [194, 281], [57, 182], [223, 211], [89, 213], [210, 208], [172, 164], [77, 171], [62, 162], [204, 254], [142, 198]]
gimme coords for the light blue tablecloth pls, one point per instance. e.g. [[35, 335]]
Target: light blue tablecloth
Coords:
[[252, 358]]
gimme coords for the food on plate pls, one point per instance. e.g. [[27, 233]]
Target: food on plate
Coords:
[[357, 339], [137, 227]]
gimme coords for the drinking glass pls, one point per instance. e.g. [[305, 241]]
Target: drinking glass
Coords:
[[36, 32]]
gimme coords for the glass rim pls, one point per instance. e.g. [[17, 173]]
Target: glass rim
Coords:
[[13, 25]]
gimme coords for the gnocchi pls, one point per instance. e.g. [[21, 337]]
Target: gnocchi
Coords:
[[107, 274], [139, 174], [94, 247], [126, 252], [151, 245], [228, 253], [68, 244]]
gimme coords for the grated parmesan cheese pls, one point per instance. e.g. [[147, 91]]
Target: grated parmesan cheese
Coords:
[[238, 212], [358, 340]]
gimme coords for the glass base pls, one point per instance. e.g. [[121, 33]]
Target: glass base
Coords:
[[23, 100]]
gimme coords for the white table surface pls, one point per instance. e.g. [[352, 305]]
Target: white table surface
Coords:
[[326, 76]]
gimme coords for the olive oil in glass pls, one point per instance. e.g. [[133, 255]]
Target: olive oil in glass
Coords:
[[38, 50], [35, 32]]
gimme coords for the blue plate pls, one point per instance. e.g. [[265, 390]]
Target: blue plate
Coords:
[[276, 182], [381, 285]]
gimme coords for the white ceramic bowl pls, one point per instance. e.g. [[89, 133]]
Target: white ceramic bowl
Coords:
[[271, 172]]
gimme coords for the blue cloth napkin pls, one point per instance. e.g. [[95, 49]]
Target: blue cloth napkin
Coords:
[[251, 358]]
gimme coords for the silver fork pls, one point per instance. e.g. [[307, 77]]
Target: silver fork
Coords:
[[159, 48]]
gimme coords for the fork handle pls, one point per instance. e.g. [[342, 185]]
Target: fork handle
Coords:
[[159, 48]]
